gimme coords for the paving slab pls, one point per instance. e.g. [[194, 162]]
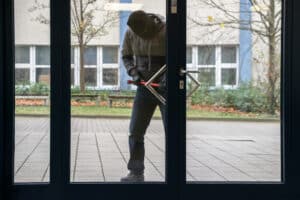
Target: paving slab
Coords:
[[216, 150]]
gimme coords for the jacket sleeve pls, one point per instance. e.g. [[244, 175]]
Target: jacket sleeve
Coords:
[[127, 53]]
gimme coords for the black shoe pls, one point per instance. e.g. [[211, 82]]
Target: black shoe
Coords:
[[133, 177]]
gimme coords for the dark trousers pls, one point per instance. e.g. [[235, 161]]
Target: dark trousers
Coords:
[[144, 106]]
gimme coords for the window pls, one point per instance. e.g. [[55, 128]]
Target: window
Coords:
[[43, 55], [90, 76], [110, 77], [228, 76], [228, 54], [22, 76], [206, 55], [110, 55], [217, 65], [72, 76], [22, 54], [72, 55], [43, 75], [189, 57], [90, 56], [207, 76]]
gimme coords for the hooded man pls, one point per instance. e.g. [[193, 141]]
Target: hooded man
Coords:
[[143, 54]]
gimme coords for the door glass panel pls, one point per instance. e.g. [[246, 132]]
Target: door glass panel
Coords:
[[233, 115], [32, 91], [104, 122]]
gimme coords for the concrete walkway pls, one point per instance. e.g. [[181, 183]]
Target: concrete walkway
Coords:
[[216, 150]]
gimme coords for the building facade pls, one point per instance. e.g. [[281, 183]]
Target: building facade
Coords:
[[223, 57]]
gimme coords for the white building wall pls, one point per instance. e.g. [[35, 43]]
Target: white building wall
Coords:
[[27, 30], [205, 35]]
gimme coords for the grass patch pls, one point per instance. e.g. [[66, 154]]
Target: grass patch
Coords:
[[126, 112]]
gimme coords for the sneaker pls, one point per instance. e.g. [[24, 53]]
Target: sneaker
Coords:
[[133, 177]]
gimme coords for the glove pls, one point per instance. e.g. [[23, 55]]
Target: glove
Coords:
[[136, 78]]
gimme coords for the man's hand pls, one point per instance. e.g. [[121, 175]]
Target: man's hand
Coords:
[[135, 76]]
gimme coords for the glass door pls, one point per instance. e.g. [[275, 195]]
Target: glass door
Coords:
[[235, 99], [91, 106]]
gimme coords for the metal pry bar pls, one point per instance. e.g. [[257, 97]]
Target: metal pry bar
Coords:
[[151, 89]]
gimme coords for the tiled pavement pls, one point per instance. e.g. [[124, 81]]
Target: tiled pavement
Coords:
[[216, 150]]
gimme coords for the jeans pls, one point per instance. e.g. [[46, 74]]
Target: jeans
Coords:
[[144, 106]]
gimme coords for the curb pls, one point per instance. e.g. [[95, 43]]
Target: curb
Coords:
[[156, 117]]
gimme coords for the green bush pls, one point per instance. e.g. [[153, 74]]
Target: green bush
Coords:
[[249, 98], [246, 97], [22, 89], [32, 89], [40, 89]]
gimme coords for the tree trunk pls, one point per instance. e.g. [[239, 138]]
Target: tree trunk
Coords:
[[82, 72], [272, 73]]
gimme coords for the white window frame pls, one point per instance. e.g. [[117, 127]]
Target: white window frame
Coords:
[[218, 65], [36, 66], [109, 66], [73, 66], [208, 66], [91, 67], [29, 65], [230, 66]]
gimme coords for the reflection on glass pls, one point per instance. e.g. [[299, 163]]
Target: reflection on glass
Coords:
[[102, 100], [207, 76], [228, 54], [228, 76], [32, 90], [22, 54], [237, 56], [206, 55], [110, 76], [22, 76]]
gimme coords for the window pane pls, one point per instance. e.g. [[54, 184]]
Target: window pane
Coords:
[[206, 55], [235, 144], [32, 101], [207, 76], [22, 76], [43, 55], [228, 76], [101, 115], [228, 54], [110, 55], [72, 76], [72, 55], [90, 76], [110, 76], [189, 55], [90, 56], [22, 54], [43, 75]]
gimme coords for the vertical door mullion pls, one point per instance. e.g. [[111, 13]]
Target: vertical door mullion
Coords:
[[1, 100], [175, 122], [8, 95], [60, 94], [182, 92]]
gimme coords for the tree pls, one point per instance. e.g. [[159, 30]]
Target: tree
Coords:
[[85, 26], [265, 23]]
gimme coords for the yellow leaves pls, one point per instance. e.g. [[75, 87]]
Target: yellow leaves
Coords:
[[210, 18]]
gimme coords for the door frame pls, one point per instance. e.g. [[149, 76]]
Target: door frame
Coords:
[[290, 95], [59, 186]]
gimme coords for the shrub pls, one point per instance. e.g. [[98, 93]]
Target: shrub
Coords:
[[249, 98], [40, 89], [246, 97], [32, 89], [22, 89]]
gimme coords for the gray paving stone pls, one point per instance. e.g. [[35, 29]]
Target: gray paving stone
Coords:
[[99, 150]]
